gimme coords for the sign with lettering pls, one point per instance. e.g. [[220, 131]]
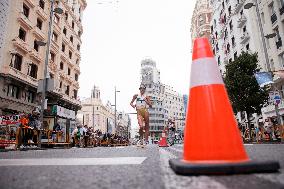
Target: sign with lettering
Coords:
[[64, 112], [10, 119]]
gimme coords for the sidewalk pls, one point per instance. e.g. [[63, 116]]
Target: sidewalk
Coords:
[[264, 142]]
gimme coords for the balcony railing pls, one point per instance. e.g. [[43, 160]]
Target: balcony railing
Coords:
[[41, 13], [25, 21], [21, 44], [35, 55], [39, 33], [273, 18]]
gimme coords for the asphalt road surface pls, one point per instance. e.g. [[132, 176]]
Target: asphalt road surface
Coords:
[[124, 167]]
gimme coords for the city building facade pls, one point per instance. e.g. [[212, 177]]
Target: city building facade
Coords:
[[237, 27], [94, 113], [167, 103], [174, 104], [200, 21], [272, 19], [22, 58], [232, 32]]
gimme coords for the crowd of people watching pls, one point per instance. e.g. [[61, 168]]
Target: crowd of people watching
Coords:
[[84, 136], [264, 132]]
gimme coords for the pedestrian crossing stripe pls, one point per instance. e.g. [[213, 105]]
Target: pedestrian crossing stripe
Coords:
[[73, 161]]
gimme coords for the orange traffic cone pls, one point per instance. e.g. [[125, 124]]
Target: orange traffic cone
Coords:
[[212, 144], [163, 141]]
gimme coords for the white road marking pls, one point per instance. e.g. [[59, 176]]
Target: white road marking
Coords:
[[248, 144], [73, 161], [173, 181]]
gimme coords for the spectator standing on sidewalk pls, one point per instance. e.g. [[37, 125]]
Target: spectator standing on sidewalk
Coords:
[[56, 128], [85, 135]]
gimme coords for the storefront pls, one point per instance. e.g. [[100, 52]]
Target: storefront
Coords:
[[8, 126], [56, 114]]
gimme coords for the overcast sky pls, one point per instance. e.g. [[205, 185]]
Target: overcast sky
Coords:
[[118, 34]]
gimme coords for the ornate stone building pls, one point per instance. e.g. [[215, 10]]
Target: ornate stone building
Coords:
[[23, 23], [201, 18]]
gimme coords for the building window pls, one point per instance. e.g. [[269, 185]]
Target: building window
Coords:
[[262, 18], [228, 48], [70, 54], [272, 10], [244, 29], [66, 16], [61, 66], [65, 31], [77, 61], [219, 60], [76, 77], [56, 19], [281, 59], [30, 96], [69, 71], [26, 10], [247, 47], [231, 25], [71, 39], [63, 47], [79, 33], [73, 25], [67, 90], [78, 47], [242, 12], [13, 91], [75, 93], [38, 23], [281, 3], [278, 39], [54, 36], [235, 55], [233, 41], [273, 14], [272, 65], [18, 62], [41, 4], [60, 85], [22, 34], [52, 56], [32, 70], [36, 46]]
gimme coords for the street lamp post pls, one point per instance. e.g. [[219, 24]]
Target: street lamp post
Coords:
[[115, 91], [44, 83]]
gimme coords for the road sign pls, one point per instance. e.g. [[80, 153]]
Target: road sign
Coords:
[[274, 97]]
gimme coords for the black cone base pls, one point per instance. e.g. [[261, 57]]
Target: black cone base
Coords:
[[184, 168]]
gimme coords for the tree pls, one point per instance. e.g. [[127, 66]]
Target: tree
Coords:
[[244, 92]]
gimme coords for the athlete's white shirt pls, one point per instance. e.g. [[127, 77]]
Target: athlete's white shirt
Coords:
[[140, 101]]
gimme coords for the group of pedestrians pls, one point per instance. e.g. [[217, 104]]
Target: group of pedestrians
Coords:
[[28, 131], [84, 136], [264, 133]]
